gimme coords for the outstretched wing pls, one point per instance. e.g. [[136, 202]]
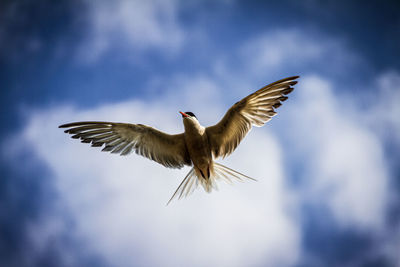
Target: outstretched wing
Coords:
[[255, 109], [123, 138]]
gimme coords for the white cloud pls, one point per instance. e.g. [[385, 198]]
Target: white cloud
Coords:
[[277, 51], [384, 115], [118, 203], [138, 24], [343, 158]]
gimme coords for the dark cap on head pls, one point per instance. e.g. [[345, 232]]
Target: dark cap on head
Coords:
[[190, 114]]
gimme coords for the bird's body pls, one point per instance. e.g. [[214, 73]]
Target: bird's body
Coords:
[[198, 146]]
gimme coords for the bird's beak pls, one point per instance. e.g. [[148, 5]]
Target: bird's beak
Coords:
[[184, 114]]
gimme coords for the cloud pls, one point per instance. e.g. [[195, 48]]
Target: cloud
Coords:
[[384, 115], [291, 51], [344, 160], [279, 48], [138, 24]]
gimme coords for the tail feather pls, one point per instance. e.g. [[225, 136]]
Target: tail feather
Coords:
[[189, 179], [226, 171], [219, 172]]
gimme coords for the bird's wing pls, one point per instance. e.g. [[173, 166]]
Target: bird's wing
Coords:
[[123, 138], [255, 109]]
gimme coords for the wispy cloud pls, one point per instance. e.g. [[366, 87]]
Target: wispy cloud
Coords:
[[298, 51], [138, 24], [345, 164]]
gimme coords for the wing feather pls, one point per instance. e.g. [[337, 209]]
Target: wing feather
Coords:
[[124, 138], [255, 109]]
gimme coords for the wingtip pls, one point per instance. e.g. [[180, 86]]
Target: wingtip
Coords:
[[67, 125], [293, 78], [84, 123]]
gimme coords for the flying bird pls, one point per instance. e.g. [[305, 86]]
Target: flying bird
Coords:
[[197, 146]]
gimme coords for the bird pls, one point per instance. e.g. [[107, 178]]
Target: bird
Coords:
[[198, 146]]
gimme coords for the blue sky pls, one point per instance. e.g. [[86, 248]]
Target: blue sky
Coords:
[[327, 164]]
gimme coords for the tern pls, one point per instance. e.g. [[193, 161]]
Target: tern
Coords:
[[197, 146]]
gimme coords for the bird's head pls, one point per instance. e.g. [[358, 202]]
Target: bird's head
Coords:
[[187, 114], [189, 119], [190, 122]]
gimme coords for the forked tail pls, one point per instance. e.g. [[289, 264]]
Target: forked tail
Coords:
[[192, 180]]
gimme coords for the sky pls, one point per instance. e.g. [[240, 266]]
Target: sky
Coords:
[[327, 165]]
